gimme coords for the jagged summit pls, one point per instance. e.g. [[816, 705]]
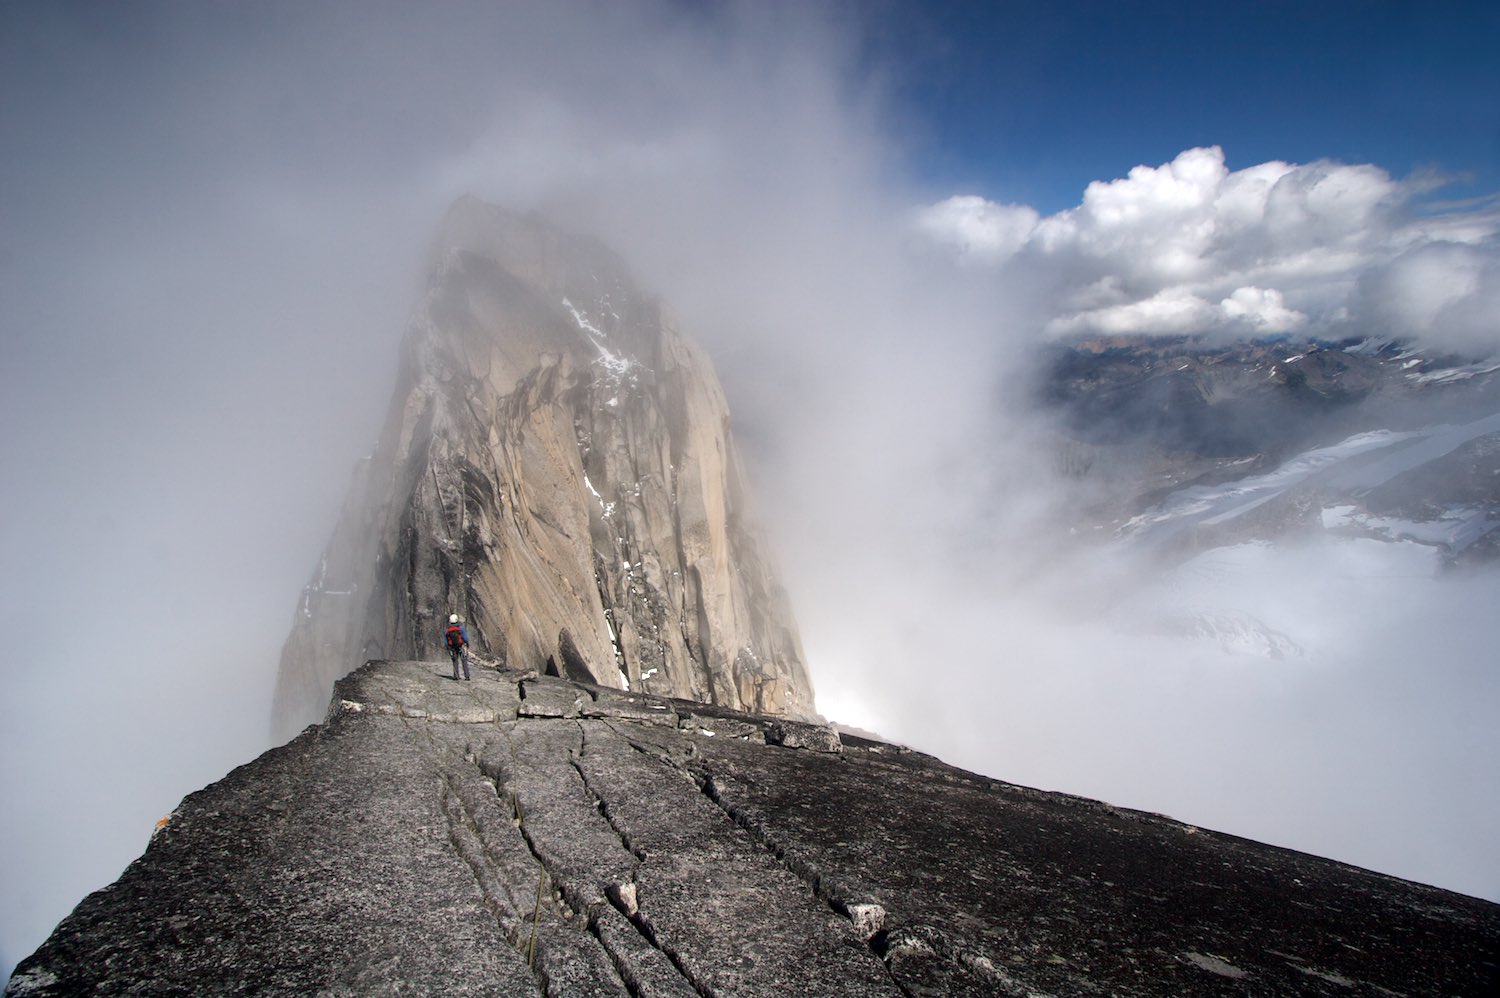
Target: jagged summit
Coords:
[[556, 467], [508, 291], [530, 835]]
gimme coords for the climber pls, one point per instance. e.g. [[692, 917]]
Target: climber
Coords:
[[458, 645]]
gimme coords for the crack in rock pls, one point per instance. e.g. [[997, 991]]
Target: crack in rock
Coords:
[[868, 916], [553, 950], [645, 930], [600, 804], [648, 972], [623, 896], [644, 969], [466, 835]]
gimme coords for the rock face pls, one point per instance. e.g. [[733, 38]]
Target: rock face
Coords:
[[538, 836], [557, 468]]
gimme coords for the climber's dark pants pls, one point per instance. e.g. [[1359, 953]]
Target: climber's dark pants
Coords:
[[460, 655]]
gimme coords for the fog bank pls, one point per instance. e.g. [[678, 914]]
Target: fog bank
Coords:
[[215, 222]]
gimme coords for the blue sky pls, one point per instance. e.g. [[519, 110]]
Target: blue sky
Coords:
[[1029, 102], [214, 220]]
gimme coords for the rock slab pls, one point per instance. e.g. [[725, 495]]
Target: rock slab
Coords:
[[408, 846]]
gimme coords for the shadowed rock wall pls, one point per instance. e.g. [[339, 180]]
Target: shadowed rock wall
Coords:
[[535, 836], [557, 468]]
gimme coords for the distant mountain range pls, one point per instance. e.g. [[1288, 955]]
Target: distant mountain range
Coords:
[[1200, 458], [1172, 438]]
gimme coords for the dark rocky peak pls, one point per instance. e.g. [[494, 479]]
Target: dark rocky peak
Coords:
[[526, 835], [556, 468]]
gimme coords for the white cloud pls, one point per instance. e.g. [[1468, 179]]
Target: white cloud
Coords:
[[1448, 293], [977, 230], [1260, 309], [1326, 203], [1173, 310], [1191, 246], [1247, 310]]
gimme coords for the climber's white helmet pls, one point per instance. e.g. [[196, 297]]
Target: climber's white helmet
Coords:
[[453, 618]]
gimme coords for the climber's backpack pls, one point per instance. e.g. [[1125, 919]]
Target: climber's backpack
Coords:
[[455, 637]]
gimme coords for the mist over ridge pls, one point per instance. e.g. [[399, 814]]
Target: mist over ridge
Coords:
[[214, 227]]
